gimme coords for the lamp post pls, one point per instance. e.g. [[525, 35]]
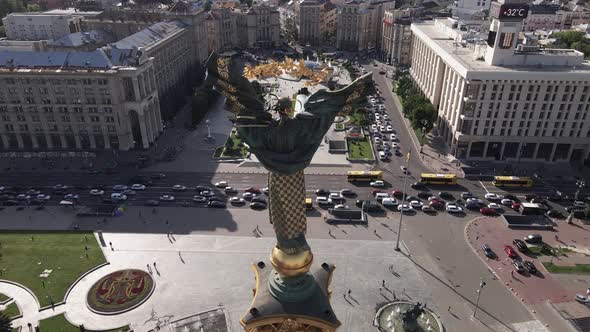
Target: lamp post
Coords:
[[401, 212], [481, 286], [208, 129]]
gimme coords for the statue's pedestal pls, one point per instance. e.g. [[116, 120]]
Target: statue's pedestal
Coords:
[[291, 305]]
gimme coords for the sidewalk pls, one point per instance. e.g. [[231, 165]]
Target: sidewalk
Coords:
[[435, 154]]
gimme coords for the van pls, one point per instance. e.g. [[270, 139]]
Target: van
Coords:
[[381, 196], [388, 201]]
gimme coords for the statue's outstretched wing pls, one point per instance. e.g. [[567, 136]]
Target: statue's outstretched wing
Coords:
[[226, 75], [323, 101]]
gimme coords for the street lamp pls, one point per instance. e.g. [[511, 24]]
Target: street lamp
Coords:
[[208, 129], [481, 286], [401, 212]]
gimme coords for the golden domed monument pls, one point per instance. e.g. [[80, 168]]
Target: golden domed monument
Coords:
[[286, 296]]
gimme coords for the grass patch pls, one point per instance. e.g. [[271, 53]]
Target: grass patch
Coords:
[[11, 310], [359, 149], [357, 118], [422, 139], [25, 255], [547, 250], [236, 149], [576, 269], [60, 323], [3, 297], [339, 126]]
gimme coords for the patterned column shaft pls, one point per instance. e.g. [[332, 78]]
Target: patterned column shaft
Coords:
[[287, 209]]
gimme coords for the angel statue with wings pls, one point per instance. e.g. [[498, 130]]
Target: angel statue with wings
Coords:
[[285, 147]]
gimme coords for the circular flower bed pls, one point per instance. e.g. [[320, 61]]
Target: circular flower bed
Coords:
[[120, 291]]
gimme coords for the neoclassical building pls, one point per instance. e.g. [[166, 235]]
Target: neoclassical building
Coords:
[[65, 101]]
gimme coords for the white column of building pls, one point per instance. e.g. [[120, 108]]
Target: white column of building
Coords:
[[148, 123], [92, 141], [144, 135], [553, 149], [34, 141], [536, 150], [19, 141], [456, 110], [153, 120], [77, 139], [107, 141], [157, 115], [64, 143]]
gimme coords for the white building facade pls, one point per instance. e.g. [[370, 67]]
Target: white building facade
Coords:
[[503, 101]]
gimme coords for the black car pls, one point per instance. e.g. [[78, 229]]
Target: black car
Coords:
[[512, 197], [203, 188], [322, 192], [419, 186], [216, 204], [257, 205], [141, 179], [554, 214], [216, 199], [11, 202], [529, 197], [518, 266], [152, 202], [259, 199], [488, 251], [445, 195], [412, 198], [522, 247], [424, 195], [359, 203], [530, 267], [372, 206]]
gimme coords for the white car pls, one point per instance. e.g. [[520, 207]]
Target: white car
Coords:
[[382, 129], [381, 196], [179, 187], [494, 206], [118, 197], [137, 186], [394, 145], [377, 116], [341, 207], [96, 192], [321, 200], [392, 137], [374, 126], [119, 187], [416, 204], [336, 197], [492, 197], [405, 208], [167, 198], [377, 183], [389, 129], [389, 201], [579, 204], [237, 200], [248, 195], [378, 140], [507, 202], [452, 208], [404, 169], [221, 184], [385, 116], [43, 197]]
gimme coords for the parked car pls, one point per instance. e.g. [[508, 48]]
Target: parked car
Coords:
[[259, 199], [446, 195], [419, 186], [510, 252], [347, 192], [216, 198], [582, 299], [428, 209], [68, 197], [452, 208], [494, 206], [247, 196], [237, 200], [530, 267], [487, 211], [377, 183], [534, 238], [336, 197], [405, 208], [397, 194], [416, 204], [206, 193], [118, 197], [554, 214], [138, 186], [381, 196], [424, 195], [203, 188], [488, 251], [341, 207], [438, 205], [230, 190], [507, 202], [221, 184], [404, 169], [96, 192], [216, 204], [359, 203], [200, 199], [389, 202], [322, 192], [466, 195], [492, 197], [520, 245], [322, 200], [515, 206], [518, 266]]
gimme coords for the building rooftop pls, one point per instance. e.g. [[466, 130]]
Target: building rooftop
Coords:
[[150, 35], [56, 60], [83, 38], [466, 56]]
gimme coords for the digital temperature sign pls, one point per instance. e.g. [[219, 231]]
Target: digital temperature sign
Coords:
[[509, 11]]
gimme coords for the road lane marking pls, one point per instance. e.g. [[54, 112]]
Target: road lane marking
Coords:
[[484, 187]]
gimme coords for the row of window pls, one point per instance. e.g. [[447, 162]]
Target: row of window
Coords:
[[58, 100], [71, 81], [525, 132], [55, 128], [522, 124], [50, 109]]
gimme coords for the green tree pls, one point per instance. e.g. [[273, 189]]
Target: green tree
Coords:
[[423, 117], [5, 324], [403, 87], [207, 6], [410, 102]]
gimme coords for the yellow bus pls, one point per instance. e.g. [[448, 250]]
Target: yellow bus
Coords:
[[365, 176], [430, 178], [308, 203], [512, 181]]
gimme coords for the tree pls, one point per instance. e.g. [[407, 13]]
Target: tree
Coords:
[[410, 102], [207, 6], [423, 116], [5, 324], [404, 85]]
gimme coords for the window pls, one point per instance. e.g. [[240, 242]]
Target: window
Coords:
[[80, 118], [23, 127], [94, 119], [108, 110], [21, 118], [109, 119], [35, 118], [96, 128], [506, 40], [65, 118], [9, 127], [111, 128]]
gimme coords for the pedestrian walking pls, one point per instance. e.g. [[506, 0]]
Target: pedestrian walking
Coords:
[[111, 245], [330, 232], [556, 237], [154, 264], [167, 223], [375, 231], [139, 213], [449, 309], [383, 283], [349, 291]]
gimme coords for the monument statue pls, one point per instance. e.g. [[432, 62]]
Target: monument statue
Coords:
[[410, 317], [285, 147]]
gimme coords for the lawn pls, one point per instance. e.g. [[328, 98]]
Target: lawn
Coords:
[[422, 139], [359, 149], [547, 250], [11, 310], [26, 255], [3, 297], [577, 269], [357, 118], [236, 150], [60, 323]]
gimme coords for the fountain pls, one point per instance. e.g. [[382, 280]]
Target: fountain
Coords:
[[404, 316]]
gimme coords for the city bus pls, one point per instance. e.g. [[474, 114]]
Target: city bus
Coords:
[[365, 176], [429, 178], [512, 181]]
